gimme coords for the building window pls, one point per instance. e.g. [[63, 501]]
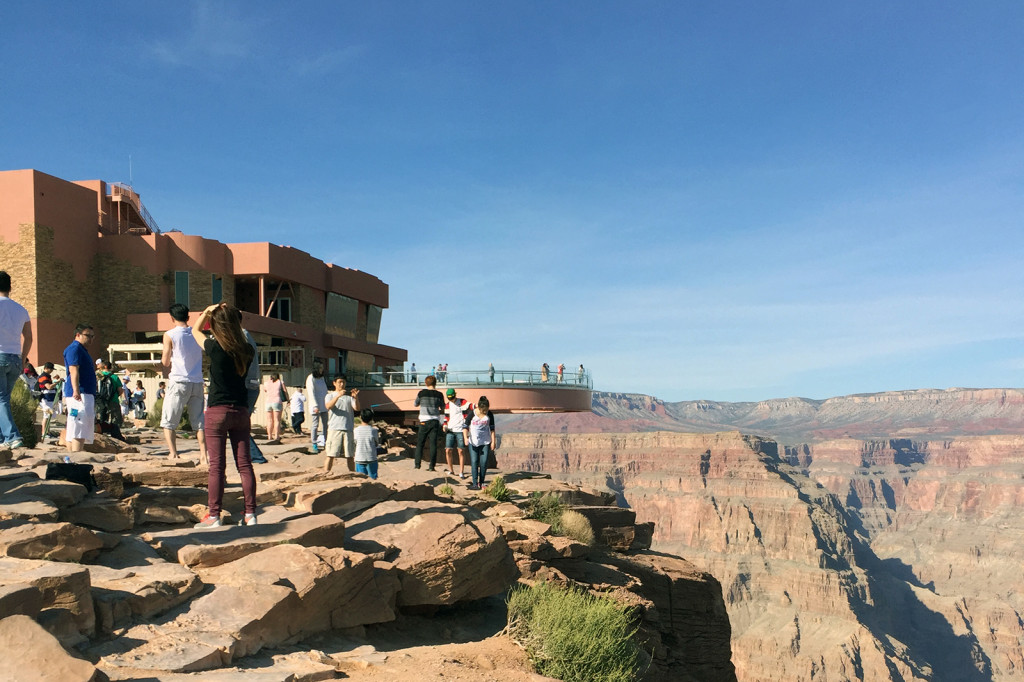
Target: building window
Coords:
[[281, 309], [373, 313], [342, 315], [216, 289], [181, 287]]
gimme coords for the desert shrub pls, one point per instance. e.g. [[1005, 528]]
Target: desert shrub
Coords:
[[498, 490], [447, 490], [23, 407], [577, 526], [547, 508], [572, 635], [157, 409]]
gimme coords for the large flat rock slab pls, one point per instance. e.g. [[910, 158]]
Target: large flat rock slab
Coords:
[[214, 546], [165, 473], [31, 653], [53, 541], [102, 513], [343, 495], [444, 553], [60, 493], [228, 623], [121, 595]]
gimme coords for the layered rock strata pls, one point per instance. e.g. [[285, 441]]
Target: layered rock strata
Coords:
[[829, 557]]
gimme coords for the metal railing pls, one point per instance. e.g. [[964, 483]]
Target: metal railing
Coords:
[[511, 378], [119, 190]]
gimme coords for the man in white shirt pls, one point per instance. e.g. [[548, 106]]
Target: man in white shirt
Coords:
[[15, 343], [182, 362], [316, 395]]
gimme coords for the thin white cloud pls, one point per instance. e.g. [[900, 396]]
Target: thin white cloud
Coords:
[[216, 32]]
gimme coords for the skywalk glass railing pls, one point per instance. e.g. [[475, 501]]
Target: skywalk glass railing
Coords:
[[511, 378]]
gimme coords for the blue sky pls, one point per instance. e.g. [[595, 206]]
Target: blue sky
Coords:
[[729, 201]]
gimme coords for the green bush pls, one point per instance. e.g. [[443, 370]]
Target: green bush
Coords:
[[547, 508], [498, 490], [572, 635], [577, 527], [155, 411], [447, 490], [23, 407]]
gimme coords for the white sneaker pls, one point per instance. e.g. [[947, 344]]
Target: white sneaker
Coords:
[[249, 520], [209, 522]]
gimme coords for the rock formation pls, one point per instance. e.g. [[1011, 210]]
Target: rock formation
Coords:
[[840, 560], [923, 413], [119, 577]]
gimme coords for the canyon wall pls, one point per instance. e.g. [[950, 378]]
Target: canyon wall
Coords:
[[839, 560]]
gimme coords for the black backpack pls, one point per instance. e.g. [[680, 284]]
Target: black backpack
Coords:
[[76, 473], [107, 393]]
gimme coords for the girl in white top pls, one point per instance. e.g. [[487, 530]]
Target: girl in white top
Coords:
[[479, 433]]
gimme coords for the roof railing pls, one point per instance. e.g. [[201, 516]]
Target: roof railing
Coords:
[[120, 190]]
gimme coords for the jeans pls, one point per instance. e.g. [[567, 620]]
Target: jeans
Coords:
[[224, 422], [368, 468], [319, 425], [478, 455], [10, 370], [428, 433]]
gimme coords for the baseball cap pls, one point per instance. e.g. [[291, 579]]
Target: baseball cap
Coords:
[[450, 393]]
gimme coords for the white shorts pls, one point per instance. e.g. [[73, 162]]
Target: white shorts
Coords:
[[81, 418], [179, 395], [340, 443], [46, 406]]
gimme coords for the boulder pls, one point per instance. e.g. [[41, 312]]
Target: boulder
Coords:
[[203, 548], [341, 496], [601, 517], [31, 653], [60, 493], [110, 482], [103, 513], [139, 592], [12, 479], [20, 598], [28, 509], [64, 589], [443, 553], [229, 622], [337, 588], [568, 493], [54, 541], [177, 473], [164, 505], [108, 444]]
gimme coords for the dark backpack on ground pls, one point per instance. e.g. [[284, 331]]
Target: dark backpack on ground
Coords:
[[76, 473]]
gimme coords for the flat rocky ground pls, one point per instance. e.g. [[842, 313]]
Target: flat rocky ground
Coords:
[[461, 641]]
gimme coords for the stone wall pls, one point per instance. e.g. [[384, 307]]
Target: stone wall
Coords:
[[18, 259]]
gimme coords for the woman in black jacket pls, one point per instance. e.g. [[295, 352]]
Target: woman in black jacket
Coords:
[[227, 407]]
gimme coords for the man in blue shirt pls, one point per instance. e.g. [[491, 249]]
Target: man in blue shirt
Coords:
[[80, 390]]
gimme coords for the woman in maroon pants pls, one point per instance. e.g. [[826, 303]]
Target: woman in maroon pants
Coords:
[[227, 407]]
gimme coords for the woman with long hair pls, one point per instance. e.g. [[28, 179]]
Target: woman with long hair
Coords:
[[227, 411]]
